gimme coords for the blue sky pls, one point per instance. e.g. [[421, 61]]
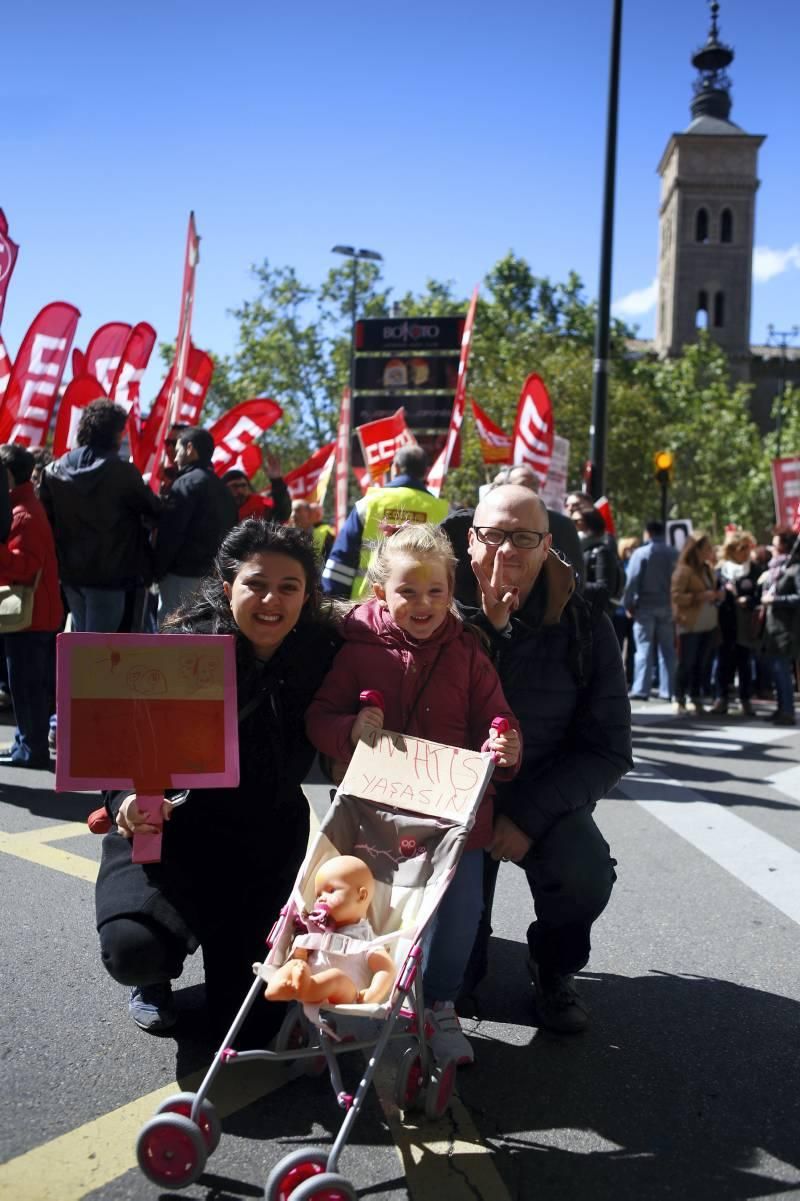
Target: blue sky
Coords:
[[442, 135]]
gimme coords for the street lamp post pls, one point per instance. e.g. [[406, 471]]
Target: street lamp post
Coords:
[[599, 424], [780, 338], [350, 252]]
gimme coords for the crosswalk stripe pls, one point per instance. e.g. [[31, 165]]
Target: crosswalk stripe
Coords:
[[33, 847], [763, 863]]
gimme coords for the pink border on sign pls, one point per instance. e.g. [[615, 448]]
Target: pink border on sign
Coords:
[[65, 781]]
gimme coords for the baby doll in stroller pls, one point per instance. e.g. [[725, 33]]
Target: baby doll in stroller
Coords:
[[327, 965]]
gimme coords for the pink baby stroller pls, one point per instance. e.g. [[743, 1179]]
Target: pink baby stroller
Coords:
[[411, 836]]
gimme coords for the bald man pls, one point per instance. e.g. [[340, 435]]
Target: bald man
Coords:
[[560, 667]]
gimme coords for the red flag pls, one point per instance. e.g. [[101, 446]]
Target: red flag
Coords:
[[80, 391], [603, 506], [440, 468], [178, 374], [239, 428], [104, 352], [342, 460], [127, 381], [195, 388], [8, 257], [495, 445], [302, 481], [5, 370], [249, 461], [380, 441], [36, 375], [534, 428]]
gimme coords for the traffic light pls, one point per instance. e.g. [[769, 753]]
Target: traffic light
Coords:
[[664, 462]]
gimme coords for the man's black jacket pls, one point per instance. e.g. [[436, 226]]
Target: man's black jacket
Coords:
[[197, 515]]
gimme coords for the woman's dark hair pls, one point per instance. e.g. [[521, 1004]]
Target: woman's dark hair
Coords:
[[593, 521], [209, 606], [785, 535], [19, 461], [100, 425]]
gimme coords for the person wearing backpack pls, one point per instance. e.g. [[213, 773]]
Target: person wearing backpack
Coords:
[[604, 573], [560, 667]]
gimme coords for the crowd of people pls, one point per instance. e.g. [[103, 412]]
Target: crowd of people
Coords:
[[505, 609]]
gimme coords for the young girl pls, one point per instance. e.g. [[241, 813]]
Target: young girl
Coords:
[[437, 683]]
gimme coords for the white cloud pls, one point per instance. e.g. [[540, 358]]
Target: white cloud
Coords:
[[769, 263], [637, 303]]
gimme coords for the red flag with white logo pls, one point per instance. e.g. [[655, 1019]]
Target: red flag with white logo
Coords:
[[442, 465], [8, 257], [104, 353], [195, 389], [380, 441], [80, 391], [36, 375], [5, 369], [303, 481], [127, 382], [603, 506], [239, 429], [495, 445], [534, 428], [342, 461]]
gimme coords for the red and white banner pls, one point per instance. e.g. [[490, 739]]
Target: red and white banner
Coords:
[[534, 428], [80, 391], [36, 375], [603, 506], [310, 478], [786, 490], [342, 461], [8, 257], [127, 382], [104, 353], [237, 431], [380, 441], [442, 465], [495, 445], [554, 489], [5, 369], [177, 376], [195, 388]]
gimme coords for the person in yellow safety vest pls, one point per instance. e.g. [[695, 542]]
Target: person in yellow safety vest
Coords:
[[322, 534], [405, 498]]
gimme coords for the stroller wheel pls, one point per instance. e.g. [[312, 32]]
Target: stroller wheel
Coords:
[[409, 1082], [171, 1151], [294, 1170], [294, 1036], [207, 1119], [330, 1186], [440, 1088]]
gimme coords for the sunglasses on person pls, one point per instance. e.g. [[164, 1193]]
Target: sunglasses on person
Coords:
[[521, 539]]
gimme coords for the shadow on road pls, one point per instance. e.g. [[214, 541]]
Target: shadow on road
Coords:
[[684, 1087]]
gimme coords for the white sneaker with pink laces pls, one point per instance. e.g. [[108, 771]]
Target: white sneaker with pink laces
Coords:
[[448, 1040]]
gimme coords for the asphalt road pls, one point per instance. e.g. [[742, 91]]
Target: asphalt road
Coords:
[[687, 1085]]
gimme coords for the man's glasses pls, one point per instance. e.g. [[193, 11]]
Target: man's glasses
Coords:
[[522, 539]]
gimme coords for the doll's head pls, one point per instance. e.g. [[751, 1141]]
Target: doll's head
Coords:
[[344, 887], [412, 572]]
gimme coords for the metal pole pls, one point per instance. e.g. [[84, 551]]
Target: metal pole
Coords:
[[664, 505], [598, 428], [354, 315]]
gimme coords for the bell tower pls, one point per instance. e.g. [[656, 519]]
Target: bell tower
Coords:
[[707, 217]]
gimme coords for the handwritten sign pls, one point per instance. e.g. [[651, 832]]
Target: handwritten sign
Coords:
[[412, 774], [146, 712]]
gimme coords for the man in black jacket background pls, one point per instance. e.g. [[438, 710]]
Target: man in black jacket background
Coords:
[[560, 667], [198, 513], [99, 507]]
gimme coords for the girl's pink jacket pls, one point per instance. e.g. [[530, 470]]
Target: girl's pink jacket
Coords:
[[444, 689]]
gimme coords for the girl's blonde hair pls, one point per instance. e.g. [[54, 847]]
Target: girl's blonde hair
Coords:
[[412, 539], [735, 540]]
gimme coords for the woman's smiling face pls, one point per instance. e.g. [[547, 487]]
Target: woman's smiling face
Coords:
[[267, 598]]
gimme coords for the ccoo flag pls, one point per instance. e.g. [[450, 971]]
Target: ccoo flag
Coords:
[[534, 428]]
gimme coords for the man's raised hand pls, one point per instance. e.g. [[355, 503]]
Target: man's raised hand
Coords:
[[498, 603]]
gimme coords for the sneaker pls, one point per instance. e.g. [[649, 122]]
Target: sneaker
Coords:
[[782, 719], [51, 739], [680, 709], [559, 1006], [152, 1007], [448, 1040]]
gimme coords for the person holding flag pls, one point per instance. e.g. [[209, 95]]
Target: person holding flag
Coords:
[[275, 507], [405, 498]]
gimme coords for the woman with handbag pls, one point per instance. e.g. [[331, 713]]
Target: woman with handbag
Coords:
[[694, 606], [30, 613]]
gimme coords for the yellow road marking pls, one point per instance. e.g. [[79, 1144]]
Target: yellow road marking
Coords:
[[75, 1164], [74, 829], [35, 848]]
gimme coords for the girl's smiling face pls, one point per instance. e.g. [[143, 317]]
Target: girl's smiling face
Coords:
[[266, 599], [417, 593]]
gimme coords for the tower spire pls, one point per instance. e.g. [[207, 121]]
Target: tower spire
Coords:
[[712, 86]]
